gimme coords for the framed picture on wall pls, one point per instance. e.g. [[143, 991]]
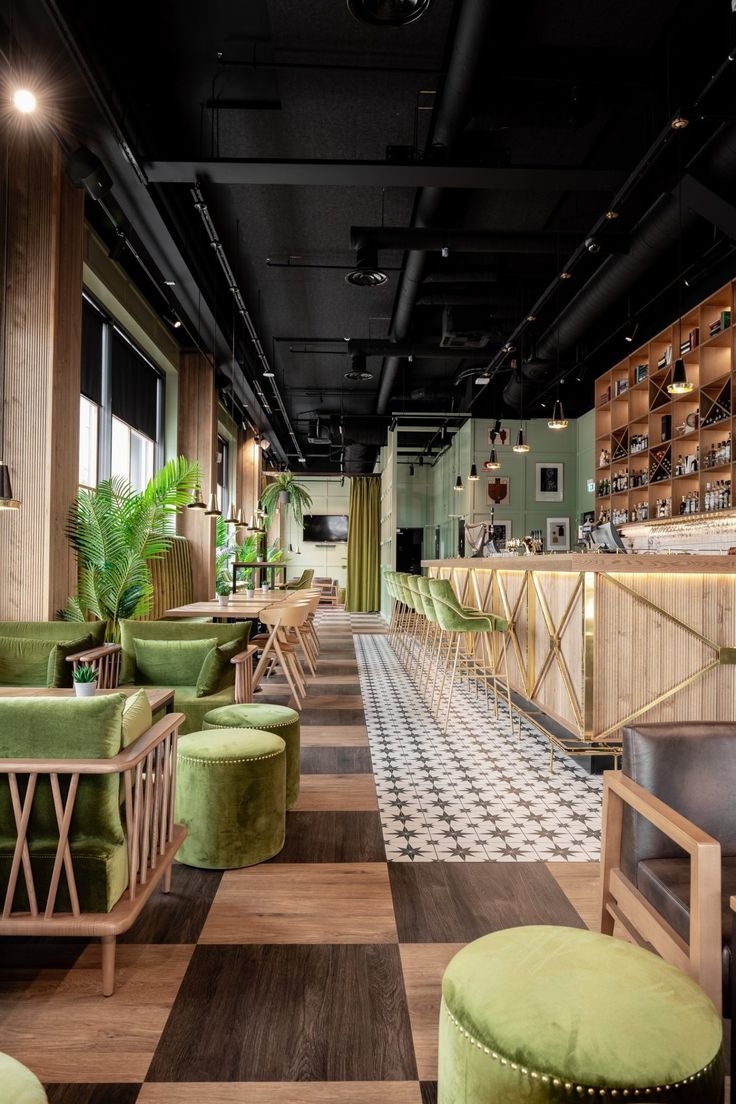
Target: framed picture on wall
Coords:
[[500, 533], [558, 534], [497, 490], [549, 482], [500, 436]]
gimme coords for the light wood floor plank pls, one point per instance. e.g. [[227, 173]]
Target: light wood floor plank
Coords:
[[299, 1092]]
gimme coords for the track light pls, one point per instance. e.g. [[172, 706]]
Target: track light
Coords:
[[631, 332], [172, 320], [366, 272], [558, 419], [592, 245], [497, 425], [268, 373], [521, 445], [302, 459], [679, 384], [7, 502], [388, 13], [611, 215], [24, 101], [493, 461], [197, 502], [459, 484], [473, 477], [679, 122], [265, 444], [566, 275]]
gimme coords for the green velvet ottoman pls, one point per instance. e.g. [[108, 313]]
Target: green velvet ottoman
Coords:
[[231, 796], [545, 1014], [18, 1085], [279, 719]]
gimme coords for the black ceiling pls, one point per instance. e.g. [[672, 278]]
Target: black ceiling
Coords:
[[585, 88]]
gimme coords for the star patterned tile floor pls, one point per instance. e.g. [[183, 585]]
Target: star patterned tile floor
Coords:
[[475, 794]]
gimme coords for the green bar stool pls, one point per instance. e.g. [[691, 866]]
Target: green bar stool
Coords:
[[418, 625], [470, 627], [551, 1015]]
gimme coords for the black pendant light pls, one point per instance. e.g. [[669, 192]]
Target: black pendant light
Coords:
[[7, 502], [459, 484], [7, 499], [521, 445], [679, 384], [493, 461], [473, 477]]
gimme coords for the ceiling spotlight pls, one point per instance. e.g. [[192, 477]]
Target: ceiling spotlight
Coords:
[[521, 445], [611, 215], [631, 332], [493, 462], [497, 425], [445, 252], [24, 101], [592, 245], [565, 275], [458, 484], [265, 444], [366, 272], [679, 122], [473, 477], [358, 369], [531, 318], [507, 348], [481, 381], [172, 319], [302, 459], [679, 384], [268, 373], [388, 13], [558, 419]]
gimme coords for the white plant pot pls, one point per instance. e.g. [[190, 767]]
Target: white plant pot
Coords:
[[85, 689], [223, 599]]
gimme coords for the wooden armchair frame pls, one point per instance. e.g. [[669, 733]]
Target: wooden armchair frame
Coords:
[[106, 660], [621, 900], [148, 770]]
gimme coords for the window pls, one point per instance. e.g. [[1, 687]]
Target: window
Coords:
[[121, 410]]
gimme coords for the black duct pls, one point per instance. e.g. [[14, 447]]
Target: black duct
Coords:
[[652, 236], [449, 121]]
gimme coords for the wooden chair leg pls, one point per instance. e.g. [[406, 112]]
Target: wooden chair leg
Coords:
[[108, 964]]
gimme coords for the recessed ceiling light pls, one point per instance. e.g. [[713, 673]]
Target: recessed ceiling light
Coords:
[[531, 318], [388, 13], [24, 101], [679, 122], [611, 215]]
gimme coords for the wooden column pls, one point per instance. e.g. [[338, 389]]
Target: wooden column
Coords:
[[42, 365], [198, 441]]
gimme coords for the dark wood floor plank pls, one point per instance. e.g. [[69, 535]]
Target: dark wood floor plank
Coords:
[[179, 916], [336, 760], [456, 902], [288, 1013], [333, 837], [429, 1092], [92, 1094]]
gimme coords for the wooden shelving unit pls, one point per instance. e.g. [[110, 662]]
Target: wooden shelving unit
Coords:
[[644, 435]]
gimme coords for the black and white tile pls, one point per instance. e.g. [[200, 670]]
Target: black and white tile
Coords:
[[474, 794]]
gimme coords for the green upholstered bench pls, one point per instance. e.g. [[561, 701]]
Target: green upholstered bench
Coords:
[[279, 719], [548, 1014], [18, 1085], [231, 797]]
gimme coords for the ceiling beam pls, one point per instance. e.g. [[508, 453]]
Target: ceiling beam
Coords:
[[469, 241], [382, 174]]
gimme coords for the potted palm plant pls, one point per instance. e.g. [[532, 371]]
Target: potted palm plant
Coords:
[[283, 490], [85, 681]]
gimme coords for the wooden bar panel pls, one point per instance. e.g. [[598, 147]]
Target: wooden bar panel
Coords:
[[198, 441], [42, 328]]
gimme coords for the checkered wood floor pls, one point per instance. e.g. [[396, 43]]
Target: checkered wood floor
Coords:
[[312, 978]]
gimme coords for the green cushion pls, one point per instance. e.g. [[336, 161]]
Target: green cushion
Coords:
[[24, 662], [170, 662], [67, 728], [280, 719], [231, 797], [216, 667], [59, 675], [137, 717], [540, 1013], [172, 630], [18, 1085], [195, 708], [55, 630]]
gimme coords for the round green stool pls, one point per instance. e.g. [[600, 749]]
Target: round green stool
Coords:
[[544, 1014], [279, 719], [18, 1085], [231, 797]]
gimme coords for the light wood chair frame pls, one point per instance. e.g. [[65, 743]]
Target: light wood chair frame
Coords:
[[148, 771], [621, 901]]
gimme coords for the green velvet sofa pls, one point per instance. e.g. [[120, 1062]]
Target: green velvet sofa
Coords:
[[87, 828], [41, 654], [156, 653]]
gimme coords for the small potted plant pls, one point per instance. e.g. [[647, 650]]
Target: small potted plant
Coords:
[[85, 680], [223, 591]]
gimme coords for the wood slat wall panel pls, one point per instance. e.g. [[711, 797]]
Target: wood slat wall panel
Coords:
[[42, 367], [198, 441]]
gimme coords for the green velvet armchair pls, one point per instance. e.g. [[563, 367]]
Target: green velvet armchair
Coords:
[[43, 654], [206, 665], [304, 581], [87, 832]]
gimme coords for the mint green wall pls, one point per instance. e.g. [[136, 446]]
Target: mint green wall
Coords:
[[413, 495], [586, 461]]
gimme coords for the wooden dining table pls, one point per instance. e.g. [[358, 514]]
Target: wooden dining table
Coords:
[[239, 607], [159, 698]]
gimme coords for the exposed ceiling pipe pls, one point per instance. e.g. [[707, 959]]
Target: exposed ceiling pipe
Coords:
[[467, 241], [465, 295], [467, 50], [656, 232]]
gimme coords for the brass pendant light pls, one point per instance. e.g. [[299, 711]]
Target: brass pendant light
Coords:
[[197, 502], [558, 419], [679, 384], [213, 506]]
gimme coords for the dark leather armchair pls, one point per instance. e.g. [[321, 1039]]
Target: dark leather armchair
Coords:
[[668, 859]]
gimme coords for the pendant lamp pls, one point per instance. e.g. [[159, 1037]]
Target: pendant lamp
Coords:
[[521, 445], [232, 517], [7, 502], [213, 506], [473, 477], [459, 484], [679, 384], [493, 461], [558, 419], [197, 502]]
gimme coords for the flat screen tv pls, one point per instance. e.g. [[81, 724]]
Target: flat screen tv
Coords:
[[326, 528]]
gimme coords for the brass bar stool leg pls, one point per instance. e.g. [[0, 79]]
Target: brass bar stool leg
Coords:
[[452, 680], [445, 666], [508, 689]]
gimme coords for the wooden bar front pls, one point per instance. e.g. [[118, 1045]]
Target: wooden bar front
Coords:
[[596, 642]]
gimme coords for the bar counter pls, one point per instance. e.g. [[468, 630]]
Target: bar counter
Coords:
[[597, 641]]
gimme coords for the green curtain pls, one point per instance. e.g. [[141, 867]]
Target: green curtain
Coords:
[[364, 545]]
